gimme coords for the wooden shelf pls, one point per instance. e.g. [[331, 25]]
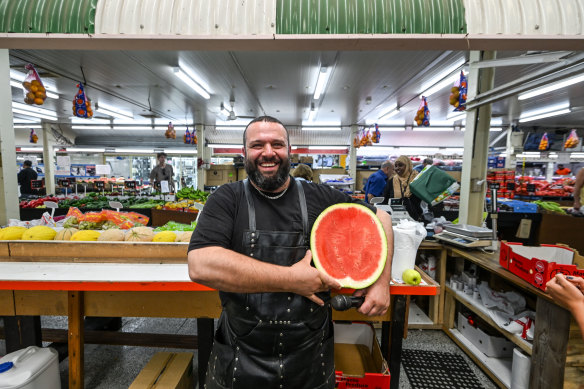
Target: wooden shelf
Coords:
[[474, 305], [499, 369], [418, 320]]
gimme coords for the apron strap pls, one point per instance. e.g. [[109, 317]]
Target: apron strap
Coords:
[[250, 206], [303, 209]]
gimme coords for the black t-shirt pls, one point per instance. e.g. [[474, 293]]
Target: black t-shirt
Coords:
[[225, 217], [25, 176]]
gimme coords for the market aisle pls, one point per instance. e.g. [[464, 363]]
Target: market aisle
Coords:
[[115, 367]]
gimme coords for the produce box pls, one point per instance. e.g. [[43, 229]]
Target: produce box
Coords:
[[160, 217], [491, 346], [358, 359], [537, 265], [166, 371]]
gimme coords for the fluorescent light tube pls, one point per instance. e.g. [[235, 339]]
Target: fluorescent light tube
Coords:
[[33, 108], [181, 151], [323, 77], [113, 111], [555, 110], [224, 128], [91, 128], [312, 114], [83, 150], [327, 147], [552, 87], [576, 155], [187, 79], [133, 128], [305, 128], [394, 129], [388, 113], [34, 114], [422, 128], [31, 149], [443, 79], [35, 126], [545, 115], [222, 146], [78, 120]]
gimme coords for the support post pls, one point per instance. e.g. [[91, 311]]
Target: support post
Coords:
[[353, 155], [8, 178], [76, 339], [201, 173], [49, 158], [476, 143]]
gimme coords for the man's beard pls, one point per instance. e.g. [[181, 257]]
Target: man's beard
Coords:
[[271, 183]]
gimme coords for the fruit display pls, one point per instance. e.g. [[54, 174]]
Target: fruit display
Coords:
[[85, 236], [12, 233], [355, 260], [39, 233], [550, 206], [184, 236], [183, 205], [103, 220], [174, 226], [97, 201], [164, 236], [112, 235], [458, 94], [572, 140], [544, 144], [33, 88], [66, 233], [81, 104], [192, 194], [423, 114], [140, 234], [411, 277]]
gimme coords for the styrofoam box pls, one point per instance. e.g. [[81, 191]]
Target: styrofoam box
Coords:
[[33, 368], [491, 346]]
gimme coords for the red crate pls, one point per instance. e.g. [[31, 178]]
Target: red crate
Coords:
[[536, 264]]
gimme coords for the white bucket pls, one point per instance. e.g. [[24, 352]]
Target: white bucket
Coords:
[[30, 368]]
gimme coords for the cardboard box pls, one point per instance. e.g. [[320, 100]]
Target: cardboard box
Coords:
[[491, 346], [306, 159], [537, 265], [166, 371], [358, 359], [220, 174], [563, 229]]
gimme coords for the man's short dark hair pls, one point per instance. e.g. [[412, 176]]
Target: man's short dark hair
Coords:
[[267, 119], [161, 155], [27, 163], [428, 161]]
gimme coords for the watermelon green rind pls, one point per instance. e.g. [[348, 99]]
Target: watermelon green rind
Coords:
[[346, 235]]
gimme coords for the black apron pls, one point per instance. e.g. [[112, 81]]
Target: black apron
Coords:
[[273, 340]]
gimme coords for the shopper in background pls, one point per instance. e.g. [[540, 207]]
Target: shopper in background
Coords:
[[562, 171], [569, 291], [378, 180], [302, 172], [162, 172], [398, 187], [579, 190], [25, 176], [251, 244], [426, 162]]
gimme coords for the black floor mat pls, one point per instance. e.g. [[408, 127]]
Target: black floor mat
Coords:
[[431, 369]]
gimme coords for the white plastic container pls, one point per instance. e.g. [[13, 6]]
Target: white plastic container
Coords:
[[30, 368]]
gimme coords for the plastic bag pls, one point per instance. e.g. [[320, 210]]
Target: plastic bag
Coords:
[[458, 93], [407, 236], [33, 138], [33, 88], [170, 132], [81, 104], [423, 114], [544, 143], [572, 140], [190, 138], [433, 185]]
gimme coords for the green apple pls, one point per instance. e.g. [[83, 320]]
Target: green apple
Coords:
[[412, 277]]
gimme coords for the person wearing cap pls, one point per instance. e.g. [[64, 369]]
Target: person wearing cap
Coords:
[[162, 172]]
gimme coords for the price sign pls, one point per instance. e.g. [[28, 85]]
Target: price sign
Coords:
[[530, 188], [495, 185], [64, 183], [36, 184], [99, 185], [510, 186], [130, 184]]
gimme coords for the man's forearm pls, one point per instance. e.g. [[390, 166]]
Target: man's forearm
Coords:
[[229, 271]]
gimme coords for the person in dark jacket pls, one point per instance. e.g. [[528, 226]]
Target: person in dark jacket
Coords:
[[251, 243], [25, 176]]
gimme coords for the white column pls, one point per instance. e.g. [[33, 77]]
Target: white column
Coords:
[[510, 161], [8, 172], [200, 129], [353, 155], [476, 143], [49, 158], [549, 171]]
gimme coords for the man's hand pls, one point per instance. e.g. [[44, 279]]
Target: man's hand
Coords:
[[376, 298], [306, 280]]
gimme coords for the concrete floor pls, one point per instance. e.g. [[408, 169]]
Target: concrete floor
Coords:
[[113, 367]]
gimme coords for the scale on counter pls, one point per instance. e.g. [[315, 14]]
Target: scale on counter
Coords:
[[395, 208], [465, 235]]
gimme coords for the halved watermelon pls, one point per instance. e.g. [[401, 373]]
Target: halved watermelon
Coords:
[[348, 243]]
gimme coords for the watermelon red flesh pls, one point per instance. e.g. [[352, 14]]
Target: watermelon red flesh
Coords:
[[349, 244]]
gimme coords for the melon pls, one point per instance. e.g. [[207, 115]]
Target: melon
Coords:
[[140, 234], [184, 236], [86, 236], [12, 233], [349, 244], [66, 233], [112, 235], [39, 233], [164, 236]]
